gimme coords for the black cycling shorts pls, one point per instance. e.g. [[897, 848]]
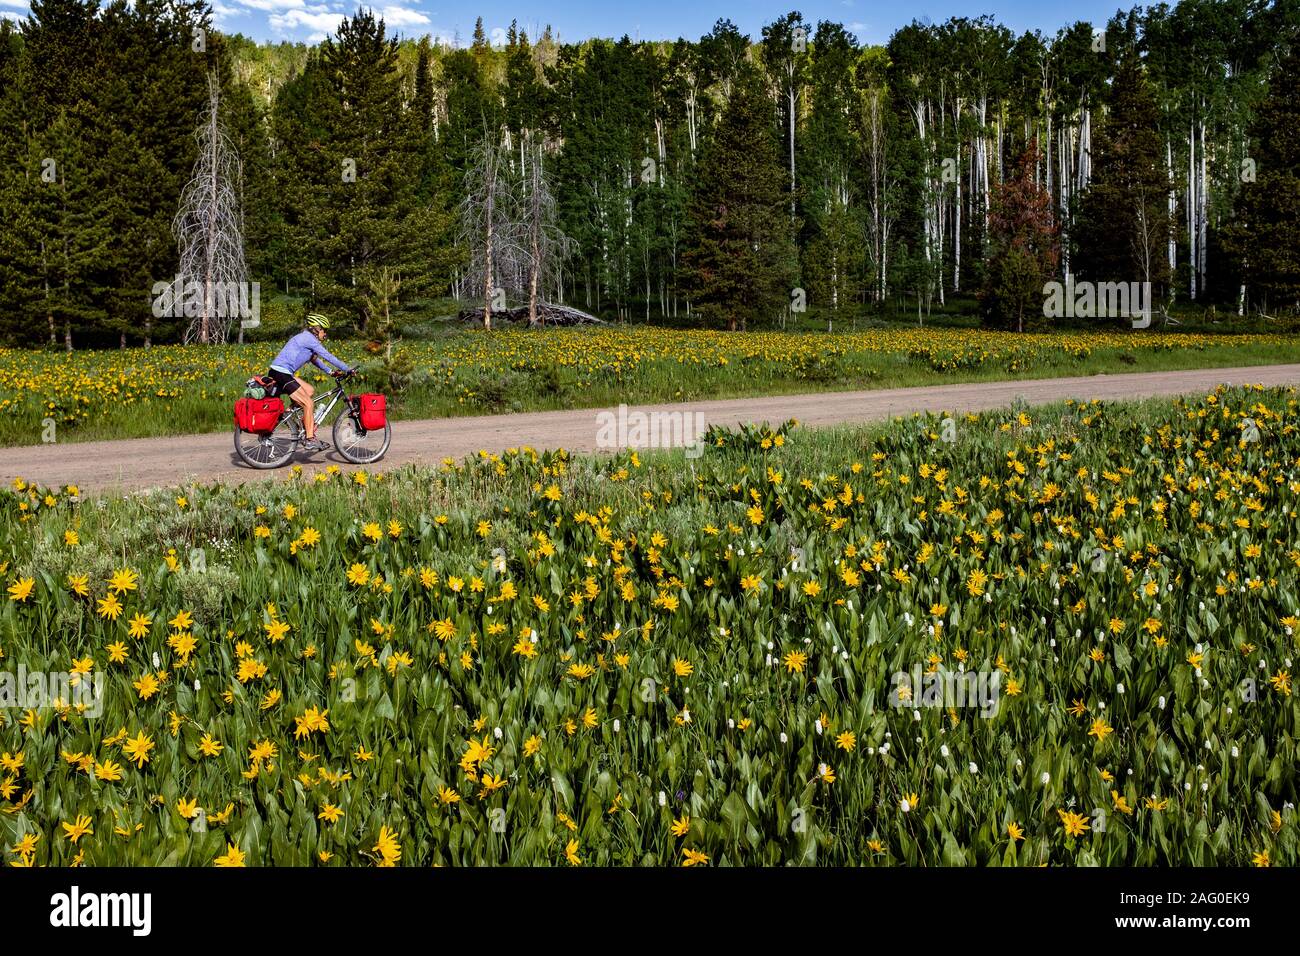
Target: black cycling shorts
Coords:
[[285, 384]]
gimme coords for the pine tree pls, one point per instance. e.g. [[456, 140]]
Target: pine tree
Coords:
[[834, 260], [46, 173], [299, 168], [1122, 230], [431, 225], [896, 149], [741, 257], [1266, 238], [473, 108], [59, 44], [72, 217], [151, 87], [17, 263], [833, 237], [366, 216]]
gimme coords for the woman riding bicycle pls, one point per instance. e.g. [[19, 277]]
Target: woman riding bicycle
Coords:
[[298, 351]]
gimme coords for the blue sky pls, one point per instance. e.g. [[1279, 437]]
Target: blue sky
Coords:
[[872, 20]]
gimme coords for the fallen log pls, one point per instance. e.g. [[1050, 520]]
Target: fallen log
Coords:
[[547, 314]]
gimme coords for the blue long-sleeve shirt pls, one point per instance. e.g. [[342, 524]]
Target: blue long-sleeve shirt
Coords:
[[303, 348]]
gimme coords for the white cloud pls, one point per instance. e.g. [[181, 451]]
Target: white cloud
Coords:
[[22, 6], [294, 16], [319, 20], [403, 17], [221, 14], [268, 5]]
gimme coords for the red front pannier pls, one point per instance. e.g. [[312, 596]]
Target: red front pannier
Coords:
[[259, 415], [373, 412]]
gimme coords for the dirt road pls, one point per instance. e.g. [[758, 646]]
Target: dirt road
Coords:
[[153, 462]]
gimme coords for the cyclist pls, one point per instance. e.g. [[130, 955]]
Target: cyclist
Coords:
[[298, 351]]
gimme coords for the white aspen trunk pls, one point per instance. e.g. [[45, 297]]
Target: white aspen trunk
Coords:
[[919, 113], [875, 197], [1046, 89], [1063, 186], [1203, 198], [1173, 205], [984, 160], [1191, 211], [884, 269], [1047, 160], [956, 269], [1083, 172], [940, 214], [835, 290], [793, 185], [535, 245], [487, 246], [1001, 171], [659, 149], [690, 118]]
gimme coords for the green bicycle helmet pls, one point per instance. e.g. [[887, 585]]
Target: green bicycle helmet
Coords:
[[317, 321]]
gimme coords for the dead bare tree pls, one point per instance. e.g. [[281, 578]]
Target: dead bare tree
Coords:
[[490, 226], [548, 246], [209, 229]]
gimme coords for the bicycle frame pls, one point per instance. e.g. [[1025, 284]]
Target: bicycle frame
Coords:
[[322, 411]]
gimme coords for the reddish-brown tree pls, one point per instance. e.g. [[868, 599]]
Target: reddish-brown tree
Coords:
[[1023, 246]]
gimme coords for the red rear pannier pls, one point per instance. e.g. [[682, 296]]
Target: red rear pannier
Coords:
[[373, 412], [259, 415]]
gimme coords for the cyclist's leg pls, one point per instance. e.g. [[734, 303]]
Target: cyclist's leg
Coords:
[[302, 394]]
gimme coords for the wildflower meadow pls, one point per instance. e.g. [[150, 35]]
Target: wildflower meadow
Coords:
[[1055, 637]]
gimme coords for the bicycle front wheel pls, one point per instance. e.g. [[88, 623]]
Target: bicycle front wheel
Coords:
[[269, 451], [358, 446]]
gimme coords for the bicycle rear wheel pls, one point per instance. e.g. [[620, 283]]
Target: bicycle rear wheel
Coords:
[[269, 451], [357, 446]]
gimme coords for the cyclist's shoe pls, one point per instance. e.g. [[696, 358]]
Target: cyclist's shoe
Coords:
[[314, 444]]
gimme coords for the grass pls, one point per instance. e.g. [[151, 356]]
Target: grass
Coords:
[[539, 659], [172, 390]]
